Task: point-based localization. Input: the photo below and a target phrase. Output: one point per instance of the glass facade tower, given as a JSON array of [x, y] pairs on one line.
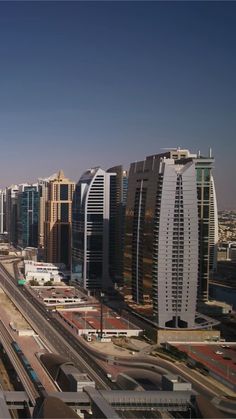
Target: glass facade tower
[[11, 212], [28, 214], [118, 194], [2, 211]]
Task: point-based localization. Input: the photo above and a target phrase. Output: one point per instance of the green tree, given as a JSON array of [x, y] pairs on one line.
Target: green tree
[[34, 283]]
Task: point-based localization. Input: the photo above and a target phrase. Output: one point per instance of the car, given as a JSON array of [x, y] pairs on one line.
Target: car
[[204, 372], [219, 353], [189, 365]]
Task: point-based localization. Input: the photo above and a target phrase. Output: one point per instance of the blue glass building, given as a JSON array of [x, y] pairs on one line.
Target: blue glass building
[[28, 216]]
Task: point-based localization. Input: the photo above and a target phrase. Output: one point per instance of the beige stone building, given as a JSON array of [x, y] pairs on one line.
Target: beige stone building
[[43, 198], [58, 214]]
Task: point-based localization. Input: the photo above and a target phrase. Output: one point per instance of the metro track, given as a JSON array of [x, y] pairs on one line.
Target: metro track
[[63, 343], [6, 340]]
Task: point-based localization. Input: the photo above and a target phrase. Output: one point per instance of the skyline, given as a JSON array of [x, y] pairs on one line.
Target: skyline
[[98, 84]]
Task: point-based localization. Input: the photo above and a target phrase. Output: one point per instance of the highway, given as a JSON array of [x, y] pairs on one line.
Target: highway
[[82, 355], [162, 366], [56, 336]]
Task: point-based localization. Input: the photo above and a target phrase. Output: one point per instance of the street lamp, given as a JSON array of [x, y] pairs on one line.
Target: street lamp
[[101, 314]]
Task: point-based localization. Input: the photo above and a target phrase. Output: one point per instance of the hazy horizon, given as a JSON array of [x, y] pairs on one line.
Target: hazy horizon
[[87, 84]]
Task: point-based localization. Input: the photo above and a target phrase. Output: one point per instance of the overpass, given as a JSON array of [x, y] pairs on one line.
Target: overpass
[[106, 402]]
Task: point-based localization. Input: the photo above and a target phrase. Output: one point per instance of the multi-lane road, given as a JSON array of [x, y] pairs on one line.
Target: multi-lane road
[[56, 336], [61, 340]]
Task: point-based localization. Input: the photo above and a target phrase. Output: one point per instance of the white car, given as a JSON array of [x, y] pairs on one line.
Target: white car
[[219, 353]]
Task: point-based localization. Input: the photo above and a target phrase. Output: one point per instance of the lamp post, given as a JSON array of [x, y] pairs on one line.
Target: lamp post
[[101, 314]]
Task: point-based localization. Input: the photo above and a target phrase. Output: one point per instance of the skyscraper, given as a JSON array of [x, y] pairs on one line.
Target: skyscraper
[[118, 194], [57, 237], [213, 228], [2, 211], [167, 245], [43, 198], [175, 245], [11, 212], [27, 215], [207, 222], [93, 228], [139, 226]]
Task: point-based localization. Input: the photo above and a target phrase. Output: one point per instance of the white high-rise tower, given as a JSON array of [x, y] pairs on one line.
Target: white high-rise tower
[[175, 248], [91, 230]]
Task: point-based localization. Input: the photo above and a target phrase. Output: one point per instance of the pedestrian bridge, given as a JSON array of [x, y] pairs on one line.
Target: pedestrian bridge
[[105, 401]]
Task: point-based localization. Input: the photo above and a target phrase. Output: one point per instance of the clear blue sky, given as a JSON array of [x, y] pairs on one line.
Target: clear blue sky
[[101, 83]]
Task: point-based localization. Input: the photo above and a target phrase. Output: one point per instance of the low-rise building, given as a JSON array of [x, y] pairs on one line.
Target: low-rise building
[[90, 322], [57, 296], [172, 382], [41, 271], [41, 277]]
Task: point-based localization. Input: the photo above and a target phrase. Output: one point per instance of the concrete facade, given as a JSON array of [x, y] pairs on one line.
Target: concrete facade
[[170, 238], [175, 264], [43, 198], [163, 336], [58, 220], [175, 383]]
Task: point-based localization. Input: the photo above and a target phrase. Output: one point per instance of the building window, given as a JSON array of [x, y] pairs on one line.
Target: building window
[[64, 192], [64, 212]]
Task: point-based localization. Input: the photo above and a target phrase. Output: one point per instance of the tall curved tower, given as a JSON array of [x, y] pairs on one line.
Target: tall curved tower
[[213, 228], [170, 235], [90, 230], [175, 247]]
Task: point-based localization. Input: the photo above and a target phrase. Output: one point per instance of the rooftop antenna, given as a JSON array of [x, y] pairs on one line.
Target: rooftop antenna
[[199, 153], [210, 152]]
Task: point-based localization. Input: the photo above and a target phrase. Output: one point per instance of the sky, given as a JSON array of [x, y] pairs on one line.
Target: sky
[[86, 84]]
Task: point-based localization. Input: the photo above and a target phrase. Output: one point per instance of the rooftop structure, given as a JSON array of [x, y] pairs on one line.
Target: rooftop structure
[[88, 322], [173, 382], [61, 296]]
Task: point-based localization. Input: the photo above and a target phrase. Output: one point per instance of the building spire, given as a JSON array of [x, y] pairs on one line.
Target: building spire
[[60, 175]]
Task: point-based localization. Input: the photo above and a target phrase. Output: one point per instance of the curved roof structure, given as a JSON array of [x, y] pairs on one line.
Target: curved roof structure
[[54, 408], [52, 363]]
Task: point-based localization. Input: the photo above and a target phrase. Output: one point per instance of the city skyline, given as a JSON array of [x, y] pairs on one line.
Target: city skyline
[[100, 84], [117, 208]]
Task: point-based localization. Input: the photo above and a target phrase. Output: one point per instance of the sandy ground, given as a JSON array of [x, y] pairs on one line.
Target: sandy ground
[[110, 348], [14, 315]]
